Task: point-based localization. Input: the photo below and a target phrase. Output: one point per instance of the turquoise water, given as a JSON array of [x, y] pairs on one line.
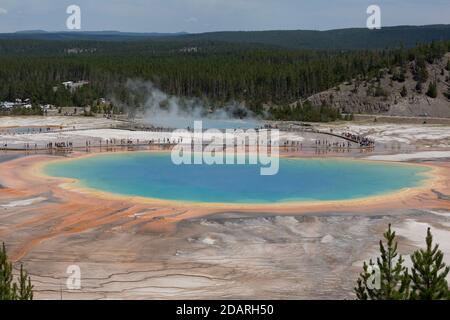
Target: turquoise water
[[154, 175]]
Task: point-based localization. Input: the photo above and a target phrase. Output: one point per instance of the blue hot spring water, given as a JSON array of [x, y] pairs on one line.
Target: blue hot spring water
[[153, 175]]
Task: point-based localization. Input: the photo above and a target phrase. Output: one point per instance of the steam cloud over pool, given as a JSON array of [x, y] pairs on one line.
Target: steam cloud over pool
[[153, 175]]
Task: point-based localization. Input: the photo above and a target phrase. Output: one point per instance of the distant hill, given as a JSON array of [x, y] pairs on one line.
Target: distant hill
[[85, 35], [340, 39], [31, 31]]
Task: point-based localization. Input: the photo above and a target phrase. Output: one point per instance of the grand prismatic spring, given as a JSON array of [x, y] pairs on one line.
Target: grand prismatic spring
[[155, 176]]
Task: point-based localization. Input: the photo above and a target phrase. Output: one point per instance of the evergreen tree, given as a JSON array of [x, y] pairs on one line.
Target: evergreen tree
[[366, 285], [10, 290], [432, 90], [404, 92], [393, 282], [25, 290], [429, 273]]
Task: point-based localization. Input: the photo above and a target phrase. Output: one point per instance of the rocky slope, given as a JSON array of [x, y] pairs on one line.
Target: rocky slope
[[383, 96]]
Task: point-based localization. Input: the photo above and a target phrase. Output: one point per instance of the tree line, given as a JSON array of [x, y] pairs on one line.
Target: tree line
[[256, 76]]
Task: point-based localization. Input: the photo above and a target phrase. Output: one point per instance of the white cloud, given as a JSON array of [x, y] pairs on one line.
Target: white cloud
[[3, 11]]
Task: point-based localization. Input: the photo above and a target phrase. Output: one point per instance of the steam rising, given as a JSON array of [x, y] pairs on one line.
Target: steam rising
[[159, 109]]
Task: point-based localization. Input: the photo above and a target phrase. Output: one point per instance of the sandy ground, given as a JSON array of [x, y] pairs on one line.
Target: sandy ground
[[22, 131], [50, 121], [426, 135], [127, 249], [389, 137], [96, 135], [412, 156]]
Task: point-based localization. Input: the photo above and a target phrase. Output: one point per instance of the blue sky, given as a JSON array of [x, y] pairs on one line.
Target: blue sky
[[214, 15]]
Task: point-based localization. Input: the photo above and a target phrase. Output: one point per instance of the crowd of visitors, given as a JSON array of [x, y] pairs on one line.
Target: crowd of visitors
[[363, 141]]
